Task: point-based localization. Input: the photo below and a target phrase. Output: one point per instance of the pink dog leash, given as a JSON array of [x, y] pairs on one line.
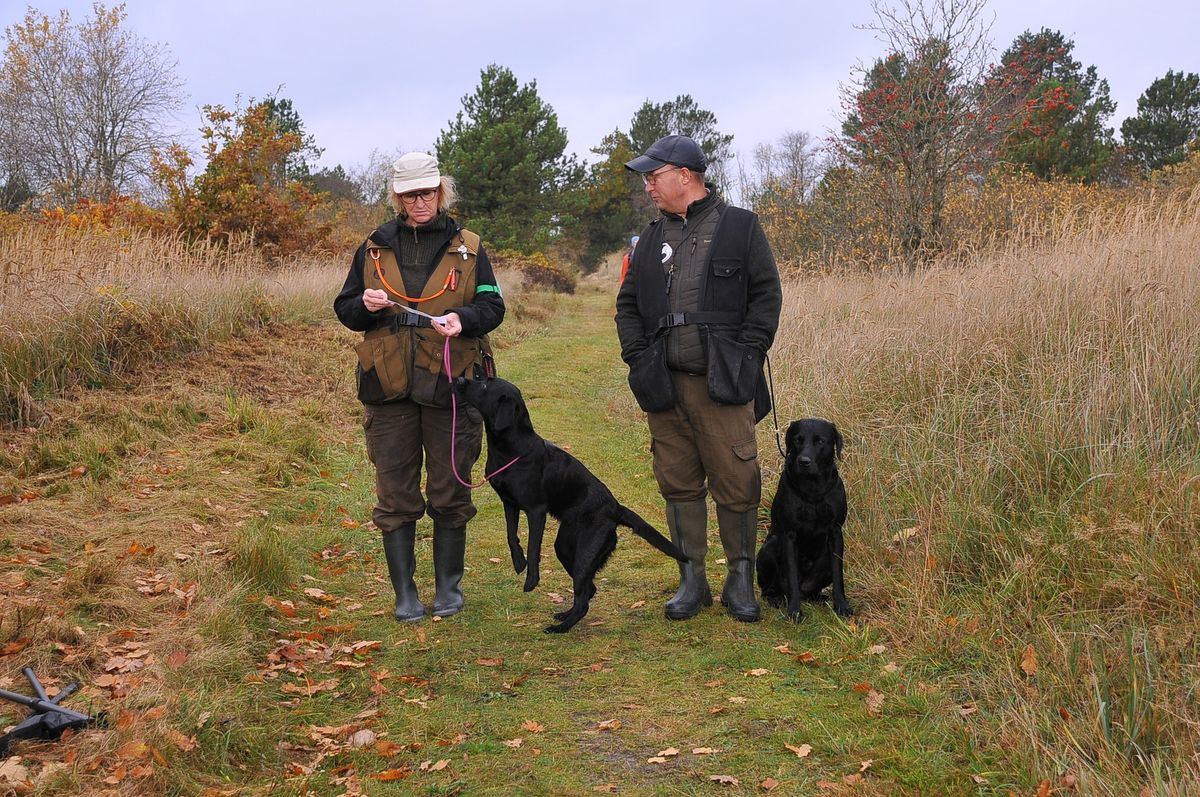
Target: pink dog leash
[[454, 426]]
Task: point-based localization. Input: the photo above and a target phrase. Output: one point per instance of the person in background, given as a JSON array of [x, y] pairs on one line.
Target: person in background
[[625, 260], [417, 281], [695, 317]]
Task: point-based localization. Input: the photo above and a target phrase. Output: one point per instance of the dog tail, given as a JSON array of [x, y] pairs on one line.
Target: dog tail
[[650, 534]]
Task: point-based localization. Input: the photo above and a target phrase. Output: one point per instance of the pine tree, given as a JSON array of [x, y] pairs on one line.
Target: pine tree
[[505, 152], [1167, 121]]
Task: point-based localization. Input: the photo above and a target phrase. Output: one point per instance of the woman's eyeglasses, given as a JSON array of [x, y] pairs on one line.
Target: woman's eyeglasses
[[426, 196]]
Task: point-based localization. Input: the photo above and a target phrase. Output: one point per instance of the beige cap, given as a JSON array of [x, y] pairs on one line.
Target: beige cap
[[415, 171]]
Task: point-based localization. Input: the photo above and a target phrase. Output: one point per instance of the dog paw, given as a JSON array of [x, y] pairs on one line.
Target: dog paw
[[531, 581], [557, 628], [519, 564], [843, 610], [796, 616]]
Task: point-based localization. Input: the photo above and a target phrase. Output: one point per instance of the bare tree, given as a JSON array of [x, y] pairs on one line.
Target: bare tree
[[923, 115], [789, 165], [83, 107]]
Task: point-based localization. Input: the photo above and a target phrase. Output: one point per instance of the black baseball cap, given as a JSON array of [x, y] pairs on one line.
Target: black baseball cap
[[675, 150]]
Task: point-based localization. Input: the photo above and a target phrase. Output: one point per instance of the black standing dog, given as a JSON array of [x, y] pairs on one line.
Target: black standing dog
[[803, 552], [547, 480]]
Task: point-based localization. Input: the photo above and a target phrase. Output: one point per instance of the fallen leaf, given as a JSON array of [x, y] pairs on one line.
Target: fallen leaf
[[803, 751], [1043, 789], [891, 668], [1029, 661], [875, 650], [1062, 712], [177, 659], [605, 788], [532, 726], [12, 773], [863, 687], [737, 699], [874, 703], [309, 689], [16, 646], [728, 780], [514, 743], [555, 598], [182, 742], [669, 752], [430, 766], [393, 774], [967, 709], [806, 657], [489, 662], [979, 779], [852, 780], [133, 750], [637, 604], [609, 725], [656, 759], [863, 766], [704, 751], [783, 648], [757, 672], [770, 784], [387, 749], [362, 738]]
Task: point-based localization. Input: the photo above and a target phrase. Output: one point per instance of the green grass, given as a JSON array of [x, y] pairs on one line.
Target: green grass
[[245, 471]]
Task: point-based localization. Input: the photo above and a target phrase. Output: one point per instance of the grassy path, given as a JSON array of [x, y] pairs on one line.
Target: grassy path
[[273, 664]]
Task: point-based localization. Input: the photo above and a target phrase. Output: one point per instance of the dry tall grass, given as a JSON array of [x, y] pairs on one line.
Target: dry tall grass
[[78, 308], [1024, 462]]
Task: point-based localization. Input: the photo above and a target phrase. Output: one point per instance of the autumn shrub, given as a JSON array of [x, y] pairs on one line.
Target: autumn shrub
[[538, 272], [1023, 458]]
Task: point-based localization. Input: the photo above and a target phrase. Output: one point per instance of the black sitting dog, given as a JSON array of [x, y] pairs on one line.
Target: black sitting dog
[[547, 480], [803, 551]]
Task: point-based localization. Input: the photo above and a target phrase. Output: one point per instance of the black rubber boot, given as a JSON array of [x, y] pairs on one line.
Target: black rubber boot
[[688, 523], [398, 550], [449, 549], [739, 538]]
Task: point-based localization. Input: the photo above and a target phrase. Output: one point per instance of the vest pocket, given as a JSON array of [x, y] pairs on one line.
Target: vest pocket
[[726, 288], [650, 379], [391, 358], [733, 370], [430, 385]]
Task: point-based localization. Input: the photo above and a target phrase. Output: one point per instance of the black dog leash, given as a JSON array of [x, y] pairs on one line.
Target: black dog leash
[[774, 415]]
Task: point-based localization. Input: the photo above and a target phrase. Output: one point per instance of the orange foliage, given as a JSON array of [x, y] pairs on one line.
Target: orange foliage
[[243, 190]]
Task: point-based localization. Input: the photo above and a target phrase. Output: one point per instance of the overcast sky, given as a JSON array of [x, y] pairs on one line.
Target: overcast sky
[[367, 75]]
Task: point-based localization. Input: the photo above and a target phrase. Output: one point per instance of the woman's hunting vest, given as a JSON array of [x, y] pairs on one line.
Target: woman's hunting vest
[[403, 357]]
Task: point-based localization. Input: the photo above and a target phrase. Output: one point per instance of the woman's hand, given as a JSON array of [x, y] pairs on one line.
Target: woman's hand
[[449, 325], [375, 299]]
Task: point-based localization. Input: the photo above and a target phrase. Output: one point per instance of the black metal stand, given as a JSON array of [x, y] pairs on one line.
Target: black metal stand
[[48, 720]]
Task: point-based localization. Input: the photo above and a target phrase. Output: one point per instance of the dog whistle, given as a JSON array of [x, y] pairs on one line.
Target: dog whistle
[[462, 250]]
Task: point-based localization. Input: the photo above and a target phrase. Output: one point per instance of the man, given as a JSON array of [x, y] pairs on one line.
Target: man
[[696, 315]]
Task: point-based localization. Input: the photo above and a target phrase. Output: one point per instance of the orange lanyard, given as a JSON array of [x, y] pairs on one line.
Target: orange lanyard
[[450, 285]]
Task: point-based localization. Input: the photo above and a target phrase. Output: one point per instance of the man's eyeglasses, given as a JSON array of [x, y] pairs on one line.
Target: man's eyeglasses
[[652, 177], [426, 196]]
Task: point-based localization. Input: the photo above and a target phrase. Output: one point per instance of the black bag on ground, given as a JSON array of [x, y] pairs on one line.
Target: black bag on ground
[[650, 379]]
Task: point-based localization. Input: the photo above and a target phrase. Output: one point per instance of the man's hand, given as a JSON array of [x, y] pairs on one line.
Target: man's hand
[[375, 299]]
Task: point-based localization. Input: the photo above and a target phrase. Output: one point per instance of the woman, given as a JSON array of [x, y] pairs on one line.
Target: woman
[[417, 281]]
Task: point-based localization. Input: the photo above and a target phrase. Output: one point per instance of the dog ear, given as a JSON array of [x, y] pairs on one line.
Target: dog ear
[[837, 442], [505, 415]]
